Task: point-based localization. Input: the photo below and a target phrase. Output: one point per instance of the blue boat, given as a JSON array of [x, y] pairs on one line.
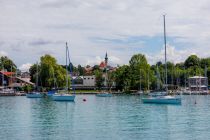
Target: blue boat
[[105, 94], [162, 100], [34, 95], [65, 96], [163, 97], [51, 93]]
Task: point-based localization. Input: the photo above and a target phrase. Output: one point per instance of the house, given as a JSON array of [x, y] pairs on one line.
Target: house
[[84, 82], [198, 83], [6, 78], [11, 80]]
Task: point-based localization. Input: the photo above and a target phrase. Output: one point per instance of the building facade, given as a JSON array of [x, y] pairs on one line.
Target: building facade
[[198, 83], [84, 82]]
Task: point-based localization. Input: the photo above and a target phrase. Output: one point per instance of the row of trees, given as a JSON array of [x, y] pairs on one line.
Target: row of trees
[[139, 72]]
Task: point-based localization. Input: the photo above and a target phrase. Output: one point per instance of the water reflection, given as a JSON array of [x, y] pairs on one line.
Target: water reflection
[[118, 117]]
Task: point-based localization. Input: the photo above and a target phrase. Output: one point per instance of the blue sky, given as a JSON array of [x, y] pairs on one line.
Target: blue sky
[[30, 29]]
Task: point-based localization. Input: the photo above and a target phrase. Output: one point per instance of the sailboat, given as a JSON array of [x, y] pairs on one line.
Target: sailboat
[[105, 93], [163, 99], [35, 94], [65, 96]]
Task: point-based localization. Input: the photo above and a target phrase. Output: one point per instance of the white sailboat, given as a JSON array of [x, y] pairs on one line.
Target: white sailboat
[[65, 96], [165, 99], [105, 93], [35, 94]]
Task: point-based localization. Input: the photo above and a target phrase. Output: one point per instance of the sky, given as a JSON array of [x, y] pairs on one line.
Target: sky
[[30, 29]]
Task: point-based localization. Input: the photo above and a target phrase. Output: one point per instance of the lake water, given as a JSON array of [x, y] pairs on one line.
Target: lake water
[[117, 117]]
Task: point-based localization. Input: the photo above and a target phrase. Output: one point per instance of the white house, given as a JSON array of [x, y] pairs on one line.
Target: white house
[[84, 81], [198, 83]]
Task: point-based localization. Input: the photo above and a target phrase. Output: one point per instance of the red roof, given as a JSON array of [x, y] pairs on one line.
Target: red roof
[[7, 73], [102, 65]]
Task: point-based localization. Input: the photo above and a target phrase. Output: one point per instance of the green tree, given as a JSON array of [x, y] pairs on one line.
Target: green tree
[[48, 72], [192, 61], [99, 78], [140, 68], [122, 78], [8, 64], [80, 70]]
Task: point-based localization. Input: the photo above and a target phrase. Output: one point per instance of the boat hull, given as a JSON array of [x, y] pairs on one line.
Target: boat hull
[[63, 97], [34, 95], [162, 100], [51, 93], [104, 95]]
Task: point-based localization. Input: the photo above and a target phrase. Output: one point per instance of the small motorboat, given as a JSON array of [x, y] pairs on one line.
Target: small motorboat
[[63, 97], [104, 94], [34, 95], [162, 100]]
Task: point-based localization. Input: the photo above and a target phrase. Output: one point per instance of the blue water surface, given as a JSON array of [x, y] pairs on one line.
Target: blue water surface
[[118, 118]]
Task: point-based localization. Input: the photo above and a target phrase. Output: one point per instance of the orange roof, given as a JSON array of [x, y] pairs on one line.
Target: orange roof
[[102, 65], [7, 73]]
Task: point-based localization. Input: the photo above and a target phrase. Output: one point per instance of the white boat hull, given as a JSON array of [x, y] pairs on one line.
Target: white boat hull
[[104, 95], [63, 97], [162, 100], [34, 95]]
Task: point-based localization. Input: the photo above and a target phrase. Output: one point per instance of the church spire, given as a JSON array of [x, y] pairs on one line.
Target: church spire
[[106, 59]]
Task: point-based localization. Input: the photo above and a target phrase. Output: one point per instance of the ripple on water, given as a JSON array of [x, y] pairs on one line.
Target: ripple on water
[[117, 117]]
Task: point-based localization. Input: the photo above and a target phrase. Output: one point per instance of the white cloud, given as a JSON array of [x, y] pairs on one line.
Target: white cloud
[[173, 55], [30, 29], [3, 53], [25, 67]]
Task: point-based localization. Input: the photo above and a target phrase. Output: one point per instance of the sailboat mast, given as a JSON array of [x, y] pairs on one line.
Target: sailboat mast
[[2, 61], [166, 83], [36, 75], [66, 68]]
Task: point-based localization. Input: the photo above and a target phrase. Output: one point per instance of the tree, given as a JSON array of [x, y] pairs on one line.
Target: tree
[[48, 72], [205, 62], [122, 78], [80, 70], [138, 65], [8, 64], [192, 61], [33, 71], [99, 78]]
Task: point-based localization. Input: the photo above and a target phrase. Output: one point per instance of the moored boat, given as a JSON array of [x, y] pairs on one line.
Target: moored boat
[[163, 100], [105, 94], [65, 96], [34, 95]]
